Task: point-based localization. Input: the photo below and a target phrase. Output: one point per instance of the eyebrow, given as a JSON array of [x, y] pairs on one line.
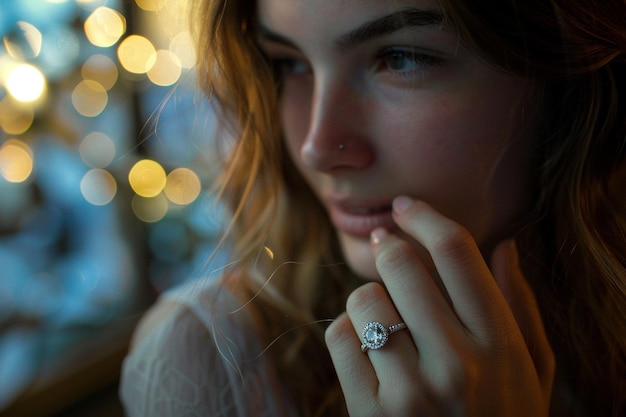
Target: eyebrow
[[408, 17]]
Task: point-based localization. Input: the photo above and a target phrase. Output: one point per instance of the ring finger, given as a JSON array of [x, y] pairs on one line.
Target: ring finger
[[398, 358]]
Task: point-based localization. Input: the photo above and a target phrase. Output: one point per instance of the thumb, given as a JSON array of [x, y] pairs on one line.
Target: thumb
[[521, 299]]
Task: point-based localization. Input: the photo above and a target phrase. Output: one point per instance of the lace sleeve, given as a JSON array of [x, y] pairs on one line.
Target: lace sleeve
[[185, 363]]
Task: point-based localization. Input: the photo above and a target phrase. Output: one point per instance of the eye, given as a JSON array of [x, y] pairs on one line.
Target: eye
[[405, 60], [285, 67]]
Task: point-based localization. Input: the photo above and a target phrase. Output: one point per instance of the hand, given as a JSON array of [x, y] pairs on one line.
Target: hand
[[475, 347]]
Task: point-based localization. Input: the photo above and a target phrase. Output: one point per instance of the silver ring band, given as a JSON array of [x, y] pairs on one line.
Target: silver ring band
[[375, 335]]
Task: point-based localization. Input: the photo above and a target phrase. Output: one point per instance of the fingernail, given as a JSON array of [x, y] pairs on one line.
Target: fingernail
[[378, 234], [400, 204]]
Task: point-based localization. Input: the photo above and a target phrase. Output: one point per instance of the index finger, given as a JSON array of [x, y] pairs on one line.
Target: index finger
[[475, 296]]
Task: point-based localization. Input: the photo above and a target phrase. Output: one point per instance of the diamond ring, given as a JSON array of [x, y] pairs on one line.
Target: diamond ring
[[375, 335]]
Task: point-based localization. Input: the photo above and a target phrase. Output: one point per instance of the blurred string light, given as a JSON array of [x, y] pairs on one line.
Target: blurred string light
[[97, 150], [89, 98], [42, 47], [150, 210], [182, 47], [102, 69], [98, 187], [26, 44], [14, 119], [151, 5], [147, 178], [25, 83], [104, 27], [166, 70], [16, 161], [182, 186], [136, 54], [154, 189]]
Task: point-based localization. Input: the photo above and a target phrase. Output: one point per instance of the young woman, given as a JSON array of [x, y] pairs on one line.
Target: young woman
[[441, 188]]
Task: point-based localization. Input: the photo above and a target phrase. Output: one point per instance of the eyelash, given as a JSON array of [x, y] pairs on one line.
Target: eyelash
[[420, 60], [286, 66]]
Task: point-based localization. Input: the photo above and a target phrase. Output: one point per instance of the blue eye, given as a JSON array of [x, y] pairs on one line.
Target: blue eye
[[405, 60]]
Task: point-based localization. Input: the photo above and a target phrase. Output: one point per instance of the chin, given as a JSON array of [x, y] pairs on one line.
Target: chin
[[359, 257]]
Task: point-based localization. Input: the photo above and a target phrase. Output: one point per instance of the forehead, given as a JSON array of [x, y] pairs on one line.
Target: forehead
[[329, 16]]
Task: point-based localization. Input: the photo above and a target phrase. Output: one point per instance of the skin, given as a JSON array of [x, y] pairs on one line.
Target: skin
[[410, 112]]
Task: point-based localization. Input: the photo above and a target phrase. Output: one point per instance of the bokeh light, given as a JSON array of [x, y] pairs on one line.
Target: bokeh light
[[15, 120], [136, 54], [183, 186], [150, 210], [16, 161], [25, 83], [97, 150], [102, 69], [182, 46], [151, 5], [104, 26], [98, 187], [147, 178], [89, 98], [26, 44], [166, 69], [82, 98]]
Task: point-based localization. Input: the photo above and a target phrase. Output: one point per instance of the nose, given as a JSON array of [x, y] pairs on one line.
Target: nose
[[337, 138]]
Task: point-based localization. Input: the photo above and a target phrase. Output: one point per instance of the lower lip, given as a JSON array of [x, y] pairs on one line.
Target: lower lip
[[360, 225]]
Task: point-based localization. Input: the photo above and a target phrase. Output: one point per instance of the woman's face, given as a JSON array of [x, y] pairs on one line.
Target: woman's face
[[380, 98]]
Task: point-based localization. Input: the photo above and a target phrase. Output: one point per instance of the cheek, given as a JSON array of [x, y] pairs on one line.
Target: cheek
[[441, 144], [467, 158], [463, 133]]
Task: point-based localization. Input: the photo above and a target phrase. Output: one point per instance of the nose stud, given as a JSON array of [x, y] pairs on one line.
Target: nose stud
[[341, 146]]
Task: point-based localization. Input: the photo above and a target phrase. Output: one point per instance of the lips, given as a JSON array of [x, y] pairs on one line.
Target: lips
[[359, 217]]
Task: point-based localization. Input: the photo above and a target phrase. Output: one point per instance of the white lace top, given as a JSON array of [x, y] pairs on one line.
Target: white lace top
[[196, 354]]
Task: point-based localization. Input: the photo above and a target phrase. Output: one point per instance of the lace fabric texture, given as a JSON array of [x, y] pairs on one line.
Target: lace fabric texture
[[196, 354]]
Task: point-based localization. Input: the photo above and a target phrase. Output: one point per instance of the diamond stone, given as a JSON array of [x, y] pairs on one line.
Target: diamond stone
[[374, 335]]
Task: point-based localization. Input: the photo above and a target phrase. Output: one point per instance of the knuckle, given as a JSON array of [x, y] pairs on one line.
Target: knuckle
[[406, 394], [408, 399], [459, 374], [506, 337], [365, 296], [461, 380], [395, 257], [453, 241]]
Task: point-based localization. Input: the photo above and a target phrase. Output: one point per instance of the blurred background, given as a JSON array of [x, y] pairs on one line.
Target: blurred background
[[106, 156]]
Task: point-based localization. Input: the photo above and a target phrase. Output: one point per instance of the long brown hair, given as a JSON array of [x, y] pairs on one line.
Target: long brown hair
[[578, 50], [575, 239], [274, 209]]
